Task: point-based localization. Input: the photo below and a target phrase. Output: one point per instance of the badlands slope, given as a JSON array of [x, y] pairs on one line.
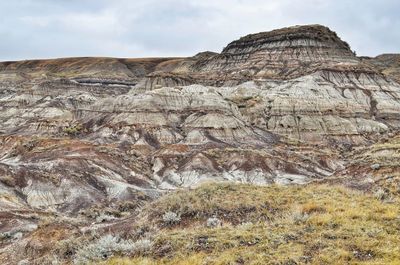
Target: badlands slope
[[89, 142]]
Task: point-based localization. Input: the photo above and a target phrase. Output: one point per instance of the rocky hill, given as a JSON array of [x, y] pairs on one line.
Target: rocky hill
[[389, 64], [91, 140]]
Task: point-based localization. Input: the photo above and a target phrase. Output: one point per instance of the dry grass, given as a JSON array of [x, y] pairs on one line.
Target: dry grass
[[338, 226]]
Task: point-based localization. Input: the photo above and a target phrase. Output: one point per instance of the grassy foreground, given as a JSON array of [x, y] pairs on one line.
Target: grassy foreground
[[313, 224]]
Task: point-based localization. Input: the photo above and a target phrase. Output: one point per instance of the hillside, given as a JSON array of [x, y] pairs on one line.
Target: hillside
[[97, 146], [233, 224]]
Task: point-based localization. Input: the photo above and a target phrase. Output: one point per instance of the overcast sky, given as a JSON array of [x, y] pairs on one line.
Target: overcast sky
[[147, 28]]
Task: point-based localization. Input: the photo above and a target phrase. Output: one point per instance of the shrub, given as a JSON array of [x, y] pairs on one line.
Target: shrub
[[5, 236], [106, 246], [50, 260], [23, 262], [382, 194], [298, 216], [103, 248], [66, 249], [171, 218], [213, 222], [142, 246], [73, 130], [245, 225], [105, 218]]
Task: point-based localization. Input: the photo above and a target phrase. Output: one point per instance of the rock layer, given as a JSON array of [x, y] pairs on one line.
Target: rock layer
[[280, 54]]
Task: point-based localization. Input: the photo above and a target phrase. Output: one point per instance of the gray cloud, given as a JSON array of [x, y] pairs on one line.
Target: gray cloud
[[124, 28]]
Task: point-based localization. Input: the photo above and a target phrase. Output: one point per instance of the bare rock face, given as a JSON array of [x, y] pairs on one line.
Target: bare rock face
[[280, 54], [358, 105], [84, 136], [373, 168], [389, 64], [302, 81]]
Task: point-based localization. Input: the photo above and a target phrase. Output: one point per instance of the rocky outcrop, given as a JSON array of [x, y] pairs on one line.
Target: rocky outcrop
[[373, 168], [302, 81], [357, 105], [388, 64], [280, 54]]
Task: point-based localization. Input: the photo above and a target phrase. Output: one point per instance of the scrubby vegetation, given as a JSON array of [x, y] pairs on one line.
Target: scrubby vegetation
[[375, 168], [314, 224], [171, 218], [73, 129], [110, 245]]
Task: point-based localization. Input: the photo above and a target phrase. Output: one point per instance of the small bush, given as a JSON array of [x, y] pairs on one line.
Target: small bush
[[171, 218], [142, 246], [66, 249], [213, 222], [103, 248], [105, 218], [50, 260], [245, 225], [73, 130], [382, 195], [24, 262], [298, 216], [106, 246], [5, 236]]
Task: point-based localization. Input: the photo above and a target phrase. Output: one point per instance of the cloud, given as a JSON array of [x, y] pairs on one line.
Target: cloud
[[124, 28]]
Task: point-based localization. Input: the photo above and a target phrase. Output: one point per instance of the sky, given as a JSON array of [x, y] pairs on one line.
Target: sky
[[34, 29]]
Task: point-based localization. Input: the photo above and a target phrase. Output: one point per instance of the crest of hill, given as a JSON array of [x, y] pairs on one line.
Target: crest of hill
[[313, 32]]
